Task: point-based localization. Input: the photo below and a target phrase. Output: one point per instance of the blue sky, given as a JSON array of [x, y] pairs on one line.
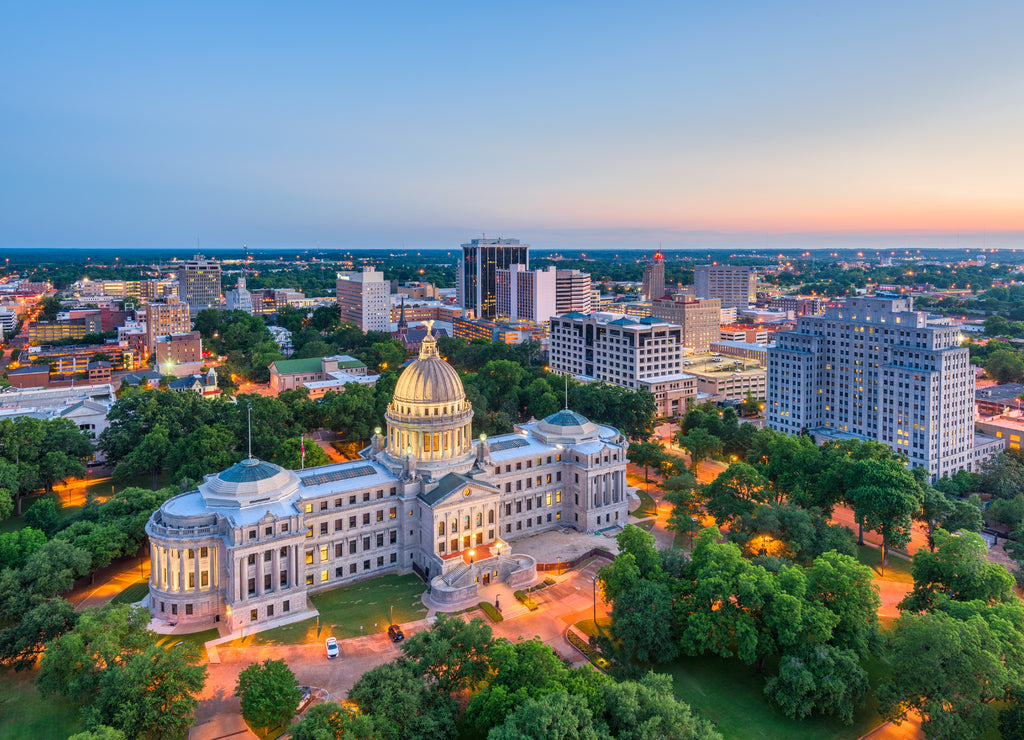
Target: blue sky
[[564, 124]]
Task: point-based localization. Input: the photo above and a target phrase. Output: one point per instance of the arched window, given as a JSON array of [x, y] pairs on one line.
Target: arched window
[[465, 522], [440, 529], [490, 516], [455, 525], [479, 520]]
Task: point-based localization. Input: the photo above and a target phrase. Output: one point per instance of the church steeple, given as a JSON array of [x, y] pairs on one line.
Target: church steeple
[[403, 326]]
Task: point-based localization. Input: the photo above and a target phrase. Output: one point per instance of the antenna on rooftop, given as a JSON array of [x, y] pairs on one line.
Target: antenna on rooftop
[[250, 432], [566, 377]]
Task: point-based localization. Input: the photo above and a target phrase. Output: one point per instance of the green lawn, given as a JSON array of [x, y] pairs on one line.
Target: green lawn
[[133, 593], [647, 506], [731, 695], [199, 639], [25, 715], [351, 611], [899, 568]]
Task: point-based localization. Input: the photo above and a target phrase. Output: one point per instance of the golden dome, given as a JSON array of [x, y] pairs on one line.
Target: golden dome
[[429, 379]]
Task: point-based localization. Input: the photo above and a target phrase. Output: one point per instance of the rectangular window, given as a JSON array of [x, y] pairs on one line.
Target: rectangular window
[[393, 492], [188, 609], [394, 557], [204, 552], [174, 608], [251, 559], [284, 578], [393, 537], [323, 553], [323, 527], [323, 506], [254, 615], [380, 561], [366, 496], [267, 585], [309, 508], [366, 518], [204, 579], [558, 497], [309, 557], [547, 499], [337, 525], [352, 568], [366, 565], [380, 515], [393, 513], [352, 547], [366, 543], [309, 531], [380, 539], [286, 607], [337, 503], [192, 580], [284, 527], [323, 576], [351, 500], [267, 555], [338, 551], [351, 522], [309, 579], [270, 610], [252, 534], [339, 572], [251, 586]]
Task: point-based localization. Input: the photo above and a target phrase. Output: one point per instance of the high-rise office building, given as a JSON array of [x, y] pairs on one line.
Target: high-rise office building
[[199, 284], [164, 318], [477, 277], [573, 292], [876, 369], [365, 299], [734, 285], [525, 294], [700, 319], [654, 277]]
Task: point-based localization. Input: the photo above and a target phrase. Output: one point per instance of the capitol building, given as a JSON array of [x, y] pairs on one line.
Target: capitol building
[[250, 544]]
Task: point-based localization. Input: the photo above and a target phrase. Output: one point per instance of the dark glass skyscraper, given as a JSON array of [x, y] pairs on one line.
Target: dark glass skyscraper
[[477, 279]]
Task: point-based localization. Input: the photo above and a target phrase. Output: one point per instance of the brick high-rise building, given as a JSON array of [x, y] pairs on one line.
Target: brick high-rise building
[[654, 277], [164, 318], [734, 285], [700, 319], [365, 299], [525, 294]]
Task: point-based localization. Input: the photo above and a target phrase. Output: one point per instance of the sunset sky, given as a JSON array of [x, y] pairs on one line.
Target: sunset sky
[[590, 124]]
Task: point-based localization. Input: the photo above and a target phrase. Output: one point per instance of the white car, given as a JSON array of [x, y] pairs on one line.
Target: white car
[[332, 647]]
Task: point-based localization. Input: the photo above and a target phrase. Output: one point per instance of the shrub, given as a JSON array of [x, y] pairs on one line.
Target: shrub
[[491, 611], [549, 581], [526, 600], [588, 650]]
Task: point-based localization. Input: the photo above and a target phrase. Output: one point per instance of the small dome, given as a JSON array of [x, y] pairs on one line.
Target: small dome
[[429, 379], [249, 470], [566, 427], [248, 482]]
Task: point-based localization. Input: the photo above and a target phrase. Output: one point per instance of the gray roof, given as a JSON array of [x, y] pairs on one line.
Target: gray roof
[[566, 418], [1004, 392], [450, 484]]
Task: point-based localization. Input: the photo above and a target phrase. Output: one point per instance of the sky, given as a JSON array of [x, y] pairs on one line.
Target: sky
[[577, 125]]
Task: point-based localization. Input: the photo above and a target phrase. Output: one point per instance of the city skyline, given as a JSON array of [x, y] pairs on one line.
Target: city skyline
[[575, 126]]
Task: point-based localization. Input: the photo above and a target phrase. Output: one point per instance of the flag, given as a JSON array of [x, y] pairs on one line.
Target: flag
[[302, 447]]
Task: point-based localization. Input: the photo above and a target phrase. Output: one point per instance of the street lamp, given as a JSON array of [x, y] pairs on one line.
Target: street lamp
[[595, 602], [472, 554], [498, 548]]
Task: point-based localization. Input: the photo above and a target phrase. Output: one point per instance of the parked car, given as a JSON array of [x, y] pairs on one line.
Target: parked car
[[332, 647], [395, 633]]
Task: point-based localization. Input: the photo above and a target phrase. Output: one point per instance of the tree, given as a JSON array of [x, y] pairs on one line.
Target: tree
[[555, 716], [1003, 475], [43, 516], [948, 670], [331, 721], [846, 588], [289, 454], [642, 624], [1005, 365], [736, 491], [960, 570], [819, 678], [646, 455], [885, 498], [269, 693], [648, 709], [699, 444], [99, 732], [22, 642], [402, 704], [641, 545], [453, 654]]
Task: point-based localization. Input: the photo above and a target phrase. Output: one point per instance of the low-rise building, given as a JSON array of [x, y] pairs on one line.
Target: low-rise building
[[742, 350], [204, 384], [673, 394], [178, 354], [287, 375], [993, 400], [732, 385]]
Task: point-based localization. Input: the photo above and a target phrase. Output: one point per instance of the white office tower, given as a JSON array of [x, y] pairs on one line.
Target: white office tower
[[573, 292], [239, 299], [365, 300], [734, 285], [526, 294], [876, 369]]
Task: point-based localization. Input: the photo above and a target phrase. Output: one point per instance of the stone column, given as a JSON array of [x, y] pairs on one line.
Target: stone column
[[214, 567], [275, 578], [199, 583], [259, 573], [296, 573], [182, 582], [168, 573], [243, 582]]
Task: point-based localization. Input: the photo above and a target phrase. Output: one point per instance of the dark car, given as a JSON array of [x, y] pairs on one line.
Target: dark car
[[395, 633]]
